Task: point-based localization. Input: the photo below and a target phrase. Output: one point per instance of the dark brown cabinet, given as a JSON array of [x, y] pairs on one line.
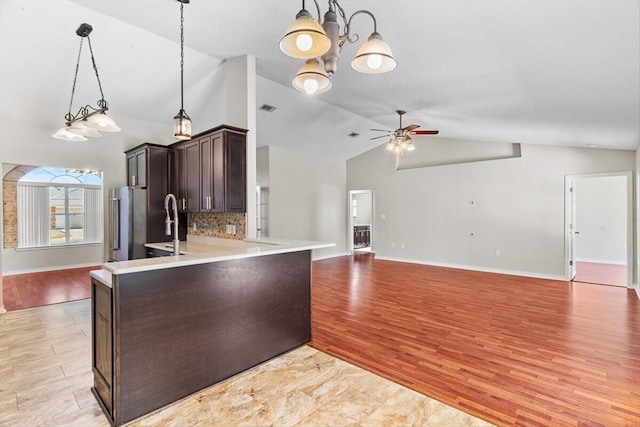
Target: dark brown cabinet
[[148, 168], [102, 343], [210, 171]]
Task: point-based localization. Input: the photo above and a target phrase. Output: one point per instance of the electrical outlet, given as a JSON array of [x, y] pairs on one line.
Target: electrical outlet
[[402, 245], [497, 252], [194, 227], [231, 229], [393, 245]]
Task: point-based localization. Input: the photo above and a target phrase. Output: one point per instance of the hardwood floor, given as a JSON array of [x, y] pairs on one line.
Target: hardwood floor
[[510, 350], [602, 274], [49, 287]]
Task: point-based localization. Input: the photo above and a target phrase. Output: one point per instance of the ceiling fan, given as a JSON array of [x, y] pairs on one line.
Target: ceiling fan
[[400, 139]]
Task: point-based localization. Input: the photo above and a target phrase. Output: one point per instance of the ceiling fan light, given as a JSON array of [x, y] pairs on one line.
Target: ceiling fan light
[[80, 128], [410, 146], [65, 135], [182, 126], [312, 78], [101, 122], [305, 38], [374, 57]]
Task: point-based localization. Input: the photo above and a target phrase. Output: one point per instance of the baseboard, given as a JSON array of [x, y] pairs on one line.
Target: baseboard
[[52, 268], [320, 258], [477, 268], [601, 261], [637, 289]]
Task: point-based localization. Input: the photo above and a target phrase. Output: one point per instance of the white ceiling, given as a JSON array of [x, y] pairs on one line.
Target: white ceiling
[[561, 72]]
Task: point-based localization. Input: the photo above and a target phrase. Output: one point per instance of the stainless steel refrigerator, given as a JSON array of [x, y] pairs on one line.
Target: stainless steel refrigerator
[[127, 223]]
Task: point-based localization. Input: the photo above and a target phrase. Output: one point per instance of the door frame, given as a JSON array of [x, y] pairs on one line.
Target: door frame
[[570, 217], [350, 219]]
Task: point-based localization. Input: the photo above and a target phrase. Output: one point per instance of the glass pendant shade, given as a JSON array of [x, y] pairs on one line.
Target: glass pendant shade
[[100, 121], [80, 128], [312, 78], [182, 126], [374, 57], [65, 135], [305, 38]]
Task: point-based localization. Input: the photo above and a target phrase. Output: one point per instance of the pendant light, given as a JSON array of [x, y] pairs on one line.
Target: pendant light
[[89, 121], [182, 122]]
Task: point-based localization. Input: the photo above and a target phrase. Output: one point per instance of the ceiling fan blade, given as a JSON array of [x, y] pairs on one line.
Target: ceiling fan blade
[[381, 130], [424, 132], [410, 128], [378, 137]]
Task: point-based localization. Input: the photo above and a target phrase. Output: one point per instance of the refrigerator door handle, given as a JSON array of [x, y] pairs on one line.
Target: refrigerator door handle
[[114, 227]]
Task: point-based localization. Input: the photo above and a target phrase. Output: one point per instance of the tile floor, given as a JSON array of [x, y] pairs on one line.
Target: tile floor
[[45, 376]]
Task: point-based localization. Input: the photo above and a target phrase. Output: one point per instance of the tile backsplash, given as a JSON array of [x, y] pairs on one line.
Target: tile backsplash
[[215, 225]]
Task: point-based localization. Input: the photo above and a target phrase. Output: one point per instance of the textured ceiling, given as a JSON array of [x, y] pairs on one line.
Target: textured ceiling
[[535, 72]]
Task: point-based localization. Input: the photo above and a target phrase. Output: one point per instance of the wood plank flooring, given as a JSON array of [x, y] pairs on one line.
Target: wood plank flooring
[[602, 274], [49, 287], [510, 350]]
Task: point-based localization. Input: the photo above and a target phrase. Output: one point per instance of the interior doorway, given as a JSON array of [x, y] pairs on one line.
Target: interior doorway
[[599, 228], [361, 216]]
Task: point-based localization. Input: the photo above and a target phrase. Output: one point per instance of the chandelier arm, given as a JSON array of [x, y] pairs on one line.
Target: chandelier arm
[[95, 68], [68, 117], [347, 29]]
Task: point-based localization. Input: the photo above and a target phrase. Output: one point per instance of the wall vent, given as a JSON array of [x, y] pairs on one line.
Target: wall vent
[[268, 108]]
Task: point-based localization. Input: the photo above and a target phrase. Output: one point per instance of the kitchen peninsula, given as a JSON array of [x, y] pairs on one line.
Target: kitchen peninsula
[[164, 328]]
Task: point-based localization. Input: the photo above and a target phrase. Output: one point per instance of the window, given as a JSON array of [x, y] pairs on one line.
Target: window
[[58, 206]]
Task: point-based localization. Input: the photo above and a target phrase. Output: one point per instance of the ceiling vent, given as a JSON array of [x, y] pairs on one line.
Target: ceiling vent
[[268, 108]]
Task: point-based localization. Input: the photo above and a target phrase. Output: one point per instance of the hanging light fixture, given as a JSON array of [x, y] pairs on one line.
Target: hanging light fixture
[[307, 39], [182, 122], [89, 120]]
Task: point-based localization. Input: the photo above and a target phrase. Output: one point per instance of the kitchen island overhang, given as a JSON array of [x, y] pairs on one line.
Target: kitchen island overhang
[[195, 321]]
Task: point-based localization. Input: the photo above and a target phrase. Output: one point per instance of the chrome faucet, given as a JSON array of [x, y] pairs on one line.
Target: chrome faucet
[[168, 221]]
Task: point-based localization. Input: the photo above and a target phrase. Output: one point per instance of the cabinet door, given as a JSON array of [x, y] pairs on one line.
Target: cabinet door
[[235, 173], [132, 170], [206, 169], [141, 167], [180, 168], [192, 176], [217, 173]]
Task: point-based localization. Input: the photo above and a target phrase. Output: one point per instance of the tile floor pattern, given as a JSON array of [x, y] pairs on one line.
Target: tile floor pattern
[[45, 376]]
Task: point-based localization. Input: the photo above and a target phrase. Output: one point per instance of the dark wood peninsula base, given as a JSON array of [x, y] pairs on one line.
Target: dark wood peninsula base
[[164, 334]]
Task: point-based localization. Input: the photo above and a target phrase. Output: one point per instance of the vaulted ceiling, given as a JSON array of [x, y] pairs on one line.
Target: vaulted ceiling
[[559, 72]]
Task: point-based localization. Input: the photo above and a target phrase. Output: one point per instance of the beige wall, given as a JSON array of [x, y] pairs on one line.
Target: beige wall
[[461, 214]]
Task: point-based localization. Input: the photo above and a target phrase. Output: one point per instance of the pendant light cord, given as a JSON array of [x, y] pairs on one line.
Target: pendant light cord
[[181, 57]]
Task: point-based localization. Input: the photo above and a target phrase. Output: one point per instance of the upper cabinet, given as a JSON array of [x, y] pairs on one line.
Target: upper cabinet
[[210, 171]]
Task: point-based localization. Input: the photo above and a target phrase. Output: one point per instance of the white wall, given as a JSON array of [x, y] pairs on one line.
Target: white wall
[[308, 199], [601, 219], [460, 215]]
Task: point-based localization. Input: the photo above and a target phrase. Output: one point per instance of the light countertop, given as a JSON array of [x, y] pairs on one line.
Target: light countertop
[[202, 250]]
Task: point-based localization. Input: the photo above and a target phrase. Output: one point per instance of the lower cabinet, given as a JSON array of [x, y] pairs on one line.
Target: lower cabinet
[[101, 324]]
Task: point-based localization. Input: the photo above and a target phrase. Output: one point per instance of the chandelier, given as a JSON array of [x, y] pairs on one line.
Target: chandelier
[[307, 39], [89, 121]]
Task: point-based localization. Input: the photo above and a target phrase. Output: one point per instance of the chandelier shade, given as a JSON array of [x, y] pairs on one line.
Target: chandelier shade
[[374, 57], [305, 38], [80, 128], [65, 134], [101, 122], [312, 78]]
